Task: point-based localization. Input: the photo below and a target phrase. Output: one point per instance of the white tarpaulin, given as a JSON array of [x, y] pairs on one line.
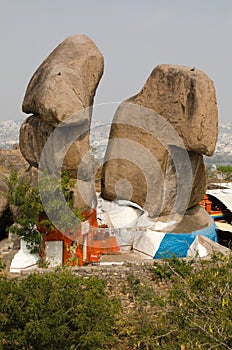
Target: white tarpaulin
[[133, 229]]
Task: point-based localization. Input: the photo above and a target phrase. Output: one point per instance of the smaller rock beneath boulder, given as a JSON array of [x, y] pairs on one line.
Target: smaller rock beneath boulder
[[34, 133], [194, 219], [67, 146], [147, 163]]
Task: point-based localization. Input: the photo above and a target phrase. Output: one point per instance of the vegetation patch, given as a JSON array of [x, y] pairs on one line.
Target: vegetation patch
[[56, 311], [188, 307], [174, 304]]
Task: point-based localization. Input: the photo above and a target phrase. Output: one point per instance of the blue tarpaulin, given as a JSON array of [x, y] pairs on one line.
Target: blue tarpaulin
[[178, 244]]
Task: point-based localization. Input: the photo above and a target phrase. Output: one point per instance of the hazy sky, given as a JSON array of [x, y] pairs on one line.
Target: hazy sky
[[134, 36]]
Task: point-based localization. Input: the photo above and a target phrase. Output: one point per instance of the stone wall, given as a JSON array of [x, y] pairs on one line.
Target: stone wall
[[116, 277]]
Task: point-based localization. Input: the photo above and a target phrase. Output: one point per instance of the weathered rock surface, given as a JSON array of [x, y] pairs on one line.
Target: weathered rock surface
[[12, 160], [85, 195], [194, 219], [66, 81], [176, 189], [154, 155], [186, 98], [154, 184], [34, 133], [60, 91], [60, 96], [146, 162], [134, 164], [199, 186]]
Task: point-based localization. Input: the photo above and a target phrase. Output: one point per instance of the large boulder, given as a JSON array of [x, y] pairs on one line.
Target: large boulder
[[135, 161], [60, 96], [141, 168], [66, 81], [157, 138], [186, 98]]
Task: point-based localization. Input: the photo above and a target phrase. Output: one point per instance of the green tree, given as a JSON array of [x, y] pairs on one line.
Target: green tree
[[31, 221], [28, 207], [225, 171]]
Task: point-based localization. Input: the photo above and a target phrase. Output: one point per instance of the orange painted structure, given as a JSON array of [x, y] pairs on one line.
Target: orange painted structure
[[216, 211], [84, 246], [100, 242], [206, 203]]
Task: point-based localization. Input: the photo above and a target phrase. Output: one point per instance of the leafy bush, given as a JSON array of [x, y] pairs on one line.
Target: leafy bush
[[56, 311], [2, 265], [201, 306], [30, 208], [181, 305], [190, 307]]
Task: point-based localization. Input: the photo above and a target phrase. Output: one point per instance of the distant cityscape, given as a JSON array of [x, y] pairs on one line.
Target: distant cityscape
[[223, 152], [9, 137], [9, 133]]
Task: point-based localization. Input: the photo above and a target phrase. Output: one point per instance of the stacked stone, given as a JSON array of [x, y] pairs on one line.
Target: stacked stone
[[60, 96], [157, 141]]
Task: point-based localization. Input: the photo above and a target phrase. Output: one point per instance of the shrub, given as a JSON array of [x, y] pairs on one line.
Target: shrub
[[2, 265], [191, 308], [56, 311], [181, 305]]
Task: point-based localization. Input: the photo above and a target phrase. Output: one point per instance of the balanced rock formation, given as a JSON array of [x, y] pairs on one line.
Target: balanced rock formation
[[66, 81], [158, 137], [60, 97], [186, 98]]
